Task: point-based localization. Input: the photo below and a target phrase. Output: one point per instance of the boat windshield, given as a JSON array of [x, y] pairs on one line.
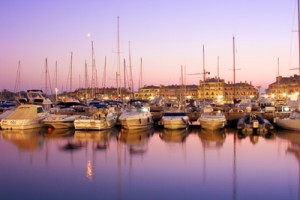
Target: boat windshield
[[128, 110], [169, 114]]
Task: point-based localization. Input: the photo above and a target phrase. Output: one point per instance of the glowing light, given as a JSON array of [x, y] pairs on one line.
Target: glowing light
[[88, 35]]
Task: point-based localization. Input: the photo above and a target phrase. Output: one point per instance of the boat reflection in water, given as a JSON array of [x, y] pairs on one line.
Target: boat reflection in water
[[174, 135], [58, 133], [212, 138], [254, 137], [132, 164], [99, 139], [136, 140], [294, 141], [25, 140]]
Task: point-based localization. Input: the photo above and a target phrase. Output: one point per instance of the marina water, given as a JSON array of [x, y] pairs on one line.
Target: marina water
[[153, 164]]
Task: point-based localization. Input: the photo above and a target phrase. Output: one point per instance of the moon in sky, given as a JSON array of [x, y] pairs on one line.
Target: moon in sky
[[88, 35]]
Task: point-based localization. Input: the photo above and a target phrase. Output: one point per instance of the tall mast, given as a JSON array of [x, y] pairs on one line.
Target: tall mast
[[86, 78], [203, 63], [218, 77], [125, 79], [55, 75], [17, 83], [93, 70], [182, 85], [71, 71], [104, 74], [118, 60], [277, 77], [46, 77], [203, 88], [56, 90], [233, 67], [130, 68], [141, 74], [299, 40]]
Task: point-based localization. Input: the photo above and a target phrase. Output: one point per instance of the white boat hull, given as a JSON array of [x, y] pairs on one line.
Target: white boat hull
[[60, 122], [21, 124], [212, 124], [25, 117], [175, 122], [134, 123], [94, 124], [288, 123]]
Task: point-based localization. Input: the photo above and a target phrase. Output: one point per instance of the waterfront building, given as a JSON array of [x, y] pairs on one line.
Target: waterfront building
[[211, 88], [148, 92], [216, 88], [283, 87], [101, 93], [240, 90], [167, 92]]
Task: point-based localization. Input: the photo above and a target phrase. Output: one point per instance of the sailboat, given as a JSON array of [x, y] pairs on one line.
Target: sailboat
[[210, 119], [293, 121]]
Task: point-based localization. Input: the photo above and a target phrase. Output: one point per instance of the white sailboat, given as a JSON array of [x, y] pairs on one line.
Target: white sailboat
[[293, 121]]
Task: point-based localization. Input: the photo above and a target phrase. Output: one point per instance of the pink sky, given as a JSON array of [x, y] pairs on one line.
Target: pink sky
[[165, 34]]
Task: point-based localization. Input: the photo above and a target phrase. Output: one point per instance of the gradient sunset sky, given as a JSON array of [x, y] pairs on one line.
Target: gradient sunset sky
[[164, 33]]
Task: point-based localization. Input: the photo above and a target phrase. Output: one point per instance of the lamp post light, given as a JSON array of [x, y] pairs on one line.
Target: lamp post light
[[56, 91]]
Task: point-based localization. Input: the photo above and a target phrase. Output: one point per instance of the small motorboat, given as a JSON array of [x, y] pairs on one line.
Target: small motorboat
[[254, 124], [25, 117]]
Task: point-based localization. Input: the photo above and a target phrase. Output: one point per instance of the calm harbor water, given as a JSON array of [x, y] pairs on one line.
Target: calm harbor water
[[154, 164]]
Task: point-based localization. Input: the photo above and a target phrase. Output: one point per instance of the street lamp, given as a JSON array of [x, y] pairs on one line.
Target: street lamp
[[56, 91]]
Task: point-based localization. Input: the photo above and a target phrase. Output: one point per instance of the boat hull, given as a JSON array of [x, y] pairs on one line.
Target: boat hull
[[141, 123], [60, 122], [212, 124], [288, 123], [93, 124], [175, 122], [21, 124]]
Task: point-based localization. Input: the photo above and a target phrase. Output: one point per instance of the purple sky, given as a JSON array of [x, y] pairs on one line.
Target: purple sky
[[164, 33]]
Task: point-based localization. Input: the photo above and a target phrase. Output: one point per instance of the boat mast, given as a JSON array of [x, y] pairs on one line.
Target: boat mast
[[17, 83], [118, 61], [203, 64], [130, 68], [233, 41], [86, 78], [218, 77], [93, 70], [104, 76], [56, 90], [277, 78], [141, 74], [299, 40], [125, 73], [46, 77], [71, 71]]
